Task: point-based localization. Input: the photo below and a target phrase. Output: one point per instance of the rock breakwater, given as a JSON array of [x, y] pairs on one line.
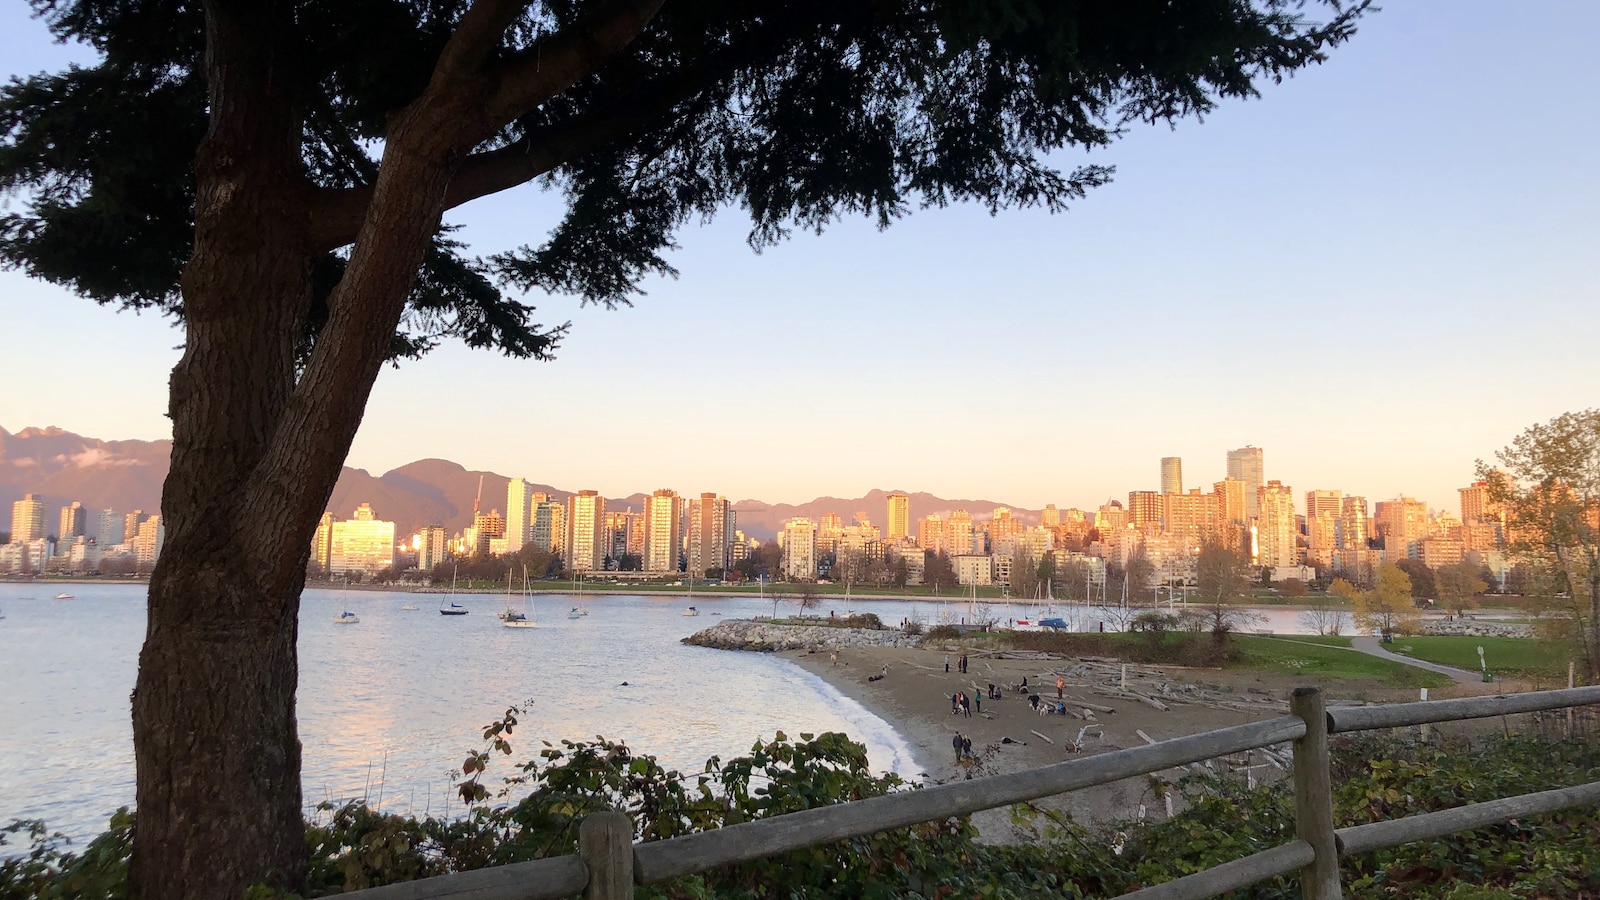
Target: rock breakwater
[[1478, 628], [745, 634]]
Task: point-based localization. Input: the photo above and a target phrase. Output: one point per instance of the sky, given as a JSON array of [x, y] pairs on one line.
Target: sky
[[1379, 271]]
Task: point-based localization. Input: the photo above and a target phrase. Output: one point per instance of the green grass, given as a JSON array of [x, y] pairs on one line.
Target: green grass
[[1323, 639], [1296, 657], [1512, 657]]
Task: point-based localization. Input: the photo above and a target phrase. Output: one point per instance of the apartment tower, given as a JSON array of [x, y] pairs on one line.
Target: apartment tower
[[518, 507], [663, 514], [27, 519], [899, 516], [1246, 465], [1171, 475], [586, 513]]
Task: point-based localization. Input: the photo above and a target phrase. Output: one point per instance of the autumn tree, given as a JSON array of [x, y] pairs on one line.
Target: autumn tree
[[1459, 585], [276, 175], [1423, 585], [1548, 484], [1387, 607]]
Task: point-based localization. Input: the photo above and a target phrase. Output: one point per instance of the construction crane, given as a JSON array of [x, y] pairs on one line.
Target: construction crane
[[476, 500]]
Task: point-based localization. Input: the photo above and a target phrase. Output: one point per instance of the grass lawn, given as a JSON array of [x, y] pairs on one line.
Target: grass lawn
[[1293, 656], [1512, 657], [1323, 639]]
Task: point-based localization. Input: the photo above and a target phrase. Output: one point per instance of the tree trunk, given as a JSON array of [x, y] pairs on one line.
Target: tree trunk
[[215, 744]]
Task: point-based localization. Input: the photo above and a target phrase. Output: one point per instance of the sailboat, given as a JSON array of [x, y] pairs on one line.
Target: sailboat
[[521, 619], [509, 612], [690, 610], [346, 618], [454, 609]]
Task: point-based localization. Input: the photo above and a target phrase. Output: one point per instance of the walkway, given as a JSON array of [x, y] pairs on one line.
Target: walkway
[[1370, 645]]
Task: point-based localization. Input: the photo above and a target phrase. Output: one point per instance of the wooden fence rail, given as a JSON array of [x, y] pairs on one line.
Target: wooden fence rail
[[609, 864]]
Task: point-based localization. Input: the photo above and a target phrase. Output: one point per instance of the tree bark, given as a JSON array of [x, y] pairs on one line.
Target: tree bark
[[215, 742]]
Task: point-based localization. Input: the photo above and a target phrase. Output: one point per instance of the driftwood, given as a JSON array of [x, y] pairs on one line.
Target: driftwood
[[1046, 739]]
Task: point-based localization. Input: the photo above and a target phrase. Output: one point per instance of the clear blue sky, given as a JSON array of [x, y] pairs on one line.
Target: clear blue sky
[[1379, 271]]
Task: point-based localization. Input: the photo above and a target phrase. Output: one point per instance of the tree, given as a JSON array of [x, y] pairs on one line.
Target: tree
[[1423, 587], [1025, 579], [1548, 484], [1388, 607], [1222, 581], [218, 162], [1138, 573], [938, 572], [1458, 585], [1292, 588]]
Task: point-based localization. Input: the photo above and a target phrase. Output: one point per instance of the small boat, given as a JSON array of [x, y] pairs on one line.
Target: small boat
[[410, 607], [515, 619], [454, 609], [346, 618], [575, 613], [690, 611], [65, 596]]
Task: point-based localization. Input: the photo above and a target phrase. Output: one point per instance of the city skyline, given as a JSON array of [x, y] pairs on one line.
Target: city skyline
[[1155, 319]]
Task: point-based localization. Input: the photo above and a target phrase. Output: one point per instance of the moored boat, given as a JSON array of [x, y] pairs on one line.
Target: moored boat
[[690, 611], [346, 618]]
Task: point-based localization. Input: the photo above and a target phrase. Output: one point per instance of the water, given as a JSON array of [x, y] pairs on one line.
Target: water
[[389, 708]]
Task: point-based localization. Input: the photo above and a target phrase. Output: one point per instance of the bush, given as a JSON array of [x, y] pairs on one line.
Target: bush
[[913, 627], [863, 620], [944, 632]]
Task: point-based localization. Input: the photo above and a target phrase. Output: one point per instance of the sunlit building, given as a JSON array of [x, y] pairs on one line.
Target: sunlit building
[[586, 511], [1248, 465], [74, 523], [899, 515], [363, 543], [663, 517], [431, 547], [549, 524], [1171, 475], [27, 519], [1275, 527], [958, 533], [711, 521], [519, 506], [1144, 511], [930, 534], [800, 549], [109, 532]]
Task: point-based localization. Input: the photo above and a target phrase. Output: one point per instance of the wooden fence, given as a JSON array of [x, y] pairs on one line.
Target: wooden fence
[[608, 864]]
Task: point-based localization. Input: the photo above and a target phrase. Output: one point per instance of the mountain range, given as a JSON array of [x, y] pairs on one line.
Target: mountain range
[[62, 467]]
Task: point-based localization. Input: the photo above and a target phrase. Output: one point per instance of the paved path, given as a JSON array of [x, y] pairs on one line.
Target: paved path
[[1370, 645]]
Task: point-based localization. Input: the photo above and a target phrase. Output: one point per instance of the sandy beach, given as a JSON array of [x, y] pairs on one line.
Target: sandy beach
[[915, 699]]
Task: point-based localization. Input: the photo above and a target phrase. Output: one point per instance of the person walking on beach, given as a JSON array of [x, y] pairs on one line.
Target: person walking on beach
[[947, 664], [956, 743], [955, 704], [1061, 685], [977, 703], [966, 746]]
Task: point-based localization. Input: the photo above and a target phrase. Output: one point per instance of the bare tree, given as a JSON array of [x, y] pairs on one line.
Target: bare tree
[[1222, 579], [1458, 585]]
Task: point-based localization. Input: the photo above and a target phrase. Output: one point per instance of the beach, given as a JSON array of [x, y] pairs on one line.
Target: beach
[[914, 698]]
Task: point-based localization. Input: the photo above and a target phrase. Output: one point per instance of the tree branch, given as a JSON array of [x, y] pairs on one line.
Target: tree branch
[[339, 213], [555, 63]]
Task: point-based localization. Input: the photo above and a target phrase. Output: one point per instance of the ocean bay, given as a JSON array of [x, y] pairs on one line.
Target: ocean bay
[[389, 707]]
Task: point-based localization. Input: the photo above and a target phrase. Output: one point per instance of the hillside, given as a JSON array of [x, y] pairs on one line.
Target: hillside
[[126, 475]]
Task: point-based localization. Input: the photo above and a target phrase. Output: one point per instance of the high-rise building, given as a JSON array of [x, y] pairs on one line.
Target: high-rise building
[[131, 523], [800, 549], [363, 543], [958, 533], [321, 544], [1354, 523], [663, 517], [1189, 517], [617, 526], [1402, 523], [489, 528], [1324, 525], [710, 534], [74, 523], [1275, 527], [586, 511], [27, 519], [1144, 511], [109, 532], [431, 547], [518, 508], [147, 546], [930, 534], [1109, 518], [1051, 517], [828, 532], [1171, 475], [899, 515], [1478, 506], [1247, 465], [549, 530]]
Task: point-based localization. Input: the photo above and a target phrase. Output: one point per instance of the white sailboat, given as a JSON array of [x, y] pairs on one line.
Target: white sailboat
[[509, 612], [346, 618], [525, 618]]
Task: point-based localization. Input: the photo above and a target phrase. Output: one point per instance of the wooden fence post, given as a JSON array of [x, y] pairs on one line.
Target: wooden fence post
[[605, 843], [1313, 797]]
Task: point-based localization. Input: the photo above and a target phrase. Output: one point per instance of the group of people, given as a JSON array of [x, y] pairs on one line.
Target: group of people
[[961, 704], [961, 663], [962, 745]]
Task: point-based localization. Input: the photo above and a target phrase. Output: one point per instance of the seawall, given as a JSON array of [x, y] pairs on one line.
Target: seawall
[[744, 634]]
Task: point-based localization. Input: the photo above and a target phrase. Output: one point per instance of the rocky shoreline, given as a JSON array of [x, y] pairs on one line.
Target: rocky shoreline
[[768, 637], [1477, 628]]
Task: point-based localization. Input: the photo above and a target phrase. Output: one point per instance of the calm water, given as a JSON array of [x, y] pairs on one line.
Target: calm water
[[388, 708]]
